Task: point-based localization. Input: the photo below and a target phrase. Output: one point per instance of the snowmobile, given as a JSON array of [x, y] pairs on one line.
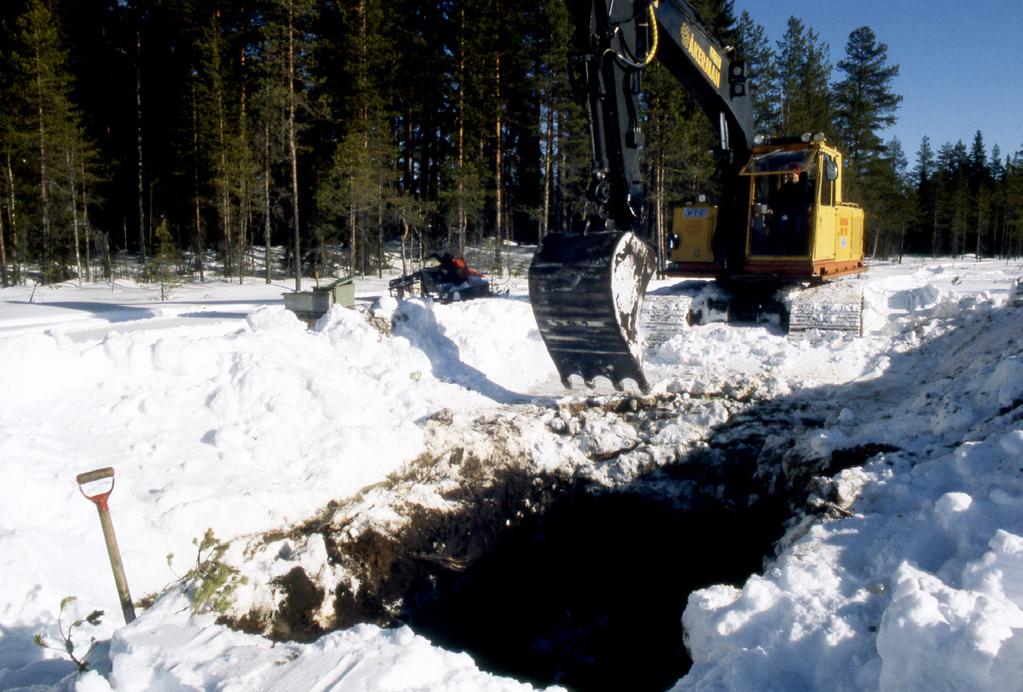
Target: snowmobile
[[587, 286], [449, 281]]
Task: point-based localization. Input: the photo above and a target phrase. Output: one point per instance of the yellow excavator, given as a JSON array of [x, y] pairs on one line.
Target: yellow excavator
[[779, 220]]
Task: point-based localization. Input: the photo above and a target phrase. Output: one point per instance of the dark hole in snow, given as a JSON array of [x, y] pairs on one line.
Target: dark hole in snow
[[590, 593], [557, 580], [302, 598]]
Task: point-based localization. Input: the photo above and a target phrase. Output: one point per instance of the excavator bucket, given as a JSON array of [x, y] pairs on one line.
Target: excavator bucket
[[586, 292]]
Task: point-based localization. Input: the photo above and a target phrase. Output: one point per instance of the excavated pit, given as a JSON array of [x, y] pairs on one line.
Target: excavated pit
[[589, 594], [553, 578]]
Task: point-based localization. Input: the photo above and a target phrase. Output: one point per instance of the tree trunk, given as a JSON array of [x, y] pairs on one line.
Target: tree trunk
[[353, 223], [462, 217], [980, 224], [243, 226], [149, 221], [200, 240], [138, 138], [404, 239], [223, 182], [44, 182], [243, 140], [292, 144], [108, 264], [381, 254], [86, 228], [548, 166], [3, 254], [266, 201], [74, 214], [12, 217], [561, 202], [659, 213], [902, 240], [498, 163]]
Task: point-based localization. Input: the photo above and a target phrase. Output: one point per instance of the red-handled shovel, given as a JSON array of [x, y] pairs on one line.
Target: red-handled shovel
[[100, 500]]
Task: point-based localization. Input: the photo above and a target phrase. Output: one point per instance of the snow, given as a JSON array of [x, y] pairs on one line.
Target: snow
[[207, 655], [219, 409]]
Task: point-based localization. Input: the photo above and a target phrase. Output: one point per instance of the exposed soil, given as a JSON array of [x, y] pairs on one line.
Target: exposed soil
[[554, 577], [296, 612]]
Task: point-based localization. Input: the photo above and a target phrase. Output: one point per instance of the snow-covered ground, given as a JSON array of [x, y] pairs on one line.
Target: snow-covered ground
[[220, 410]]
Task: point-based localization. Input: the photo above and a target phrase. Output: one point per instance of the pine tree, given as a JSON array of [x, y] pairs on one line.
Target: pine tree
[[296, 11], [998, 201], [804, 75], [214, 103], [886, 193], [756, 50], [137, 12], [44, 88], [281, 106], [923, 234], [1013, 235], [8, 113], [351, 196], [166, 258], [952, 198], [864, 102], [980, 186]]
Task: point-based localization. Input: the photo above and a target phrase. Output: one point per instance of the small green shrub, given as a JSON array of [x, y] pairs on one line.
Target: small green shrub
[[68, 647], [213, 582]]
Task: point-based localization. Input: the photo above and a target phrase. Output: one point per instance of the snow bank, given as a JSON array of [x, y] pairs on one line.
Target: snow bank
[[242, 423], [921, 587], [210, 656]]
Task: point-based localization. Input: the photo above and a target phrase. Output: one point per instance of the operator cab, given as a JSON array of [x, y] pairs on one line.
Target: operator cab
[[796, 226], [783, 190], [797, 223]]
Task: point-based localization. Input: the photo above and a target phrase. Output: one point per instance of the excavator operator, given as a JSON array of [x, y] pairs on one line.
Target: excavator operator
[[790, 208]]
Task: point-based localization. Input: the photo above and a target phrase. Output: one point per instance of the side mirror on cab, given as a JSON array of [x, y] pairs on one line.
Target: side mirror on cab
[[830, 169]]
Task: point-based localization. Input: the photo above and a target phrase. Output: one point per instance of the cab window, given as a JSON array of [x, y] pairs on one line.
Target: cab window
[[778, 161], [827, 183]]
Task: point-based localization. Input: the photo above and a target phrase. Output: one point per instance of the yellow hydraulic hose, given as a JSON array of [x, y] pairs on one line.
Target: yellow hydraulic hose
[[653, 29], [653, 47]]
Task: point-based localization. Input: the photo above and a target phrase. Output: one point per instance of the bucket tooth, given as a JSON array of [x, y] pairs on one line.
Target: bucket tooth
[[587, 293]]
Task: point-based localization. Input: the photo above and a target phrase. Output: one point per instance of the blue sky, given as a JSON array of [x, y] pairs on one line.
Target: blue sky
[[959, 62]]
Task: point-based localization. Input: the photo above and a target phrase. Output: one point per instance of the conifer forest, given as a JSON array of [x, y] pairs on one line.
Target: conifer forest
[[197, 134]]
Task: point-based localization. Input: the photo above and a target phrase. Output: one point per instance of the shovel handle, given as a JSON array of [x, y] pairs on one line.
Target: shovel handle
[[100, 499], [113, 552], [98, 474]]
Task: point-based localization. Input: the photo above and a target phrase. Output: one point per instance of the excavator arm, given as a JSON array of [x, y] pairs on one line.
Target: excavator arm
[[587, 286]]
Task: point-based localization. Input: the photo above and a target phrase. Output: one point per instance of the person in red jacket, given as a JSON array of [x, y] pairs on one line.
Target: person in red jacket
[[455, 269]]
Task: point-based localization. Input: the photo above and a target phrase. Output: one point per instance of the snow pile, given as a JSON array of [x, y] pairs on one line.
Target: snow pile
[[221, 410], [241, 422], [490, 346], [922, 587], [210, 656]]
